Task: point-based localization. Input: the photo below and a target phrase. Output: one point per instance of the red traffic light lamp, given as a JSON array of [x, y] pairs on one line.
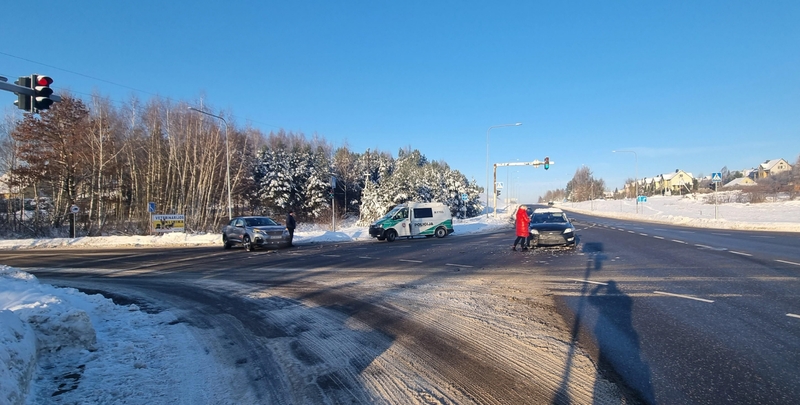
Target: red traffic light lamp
[[42, 92]]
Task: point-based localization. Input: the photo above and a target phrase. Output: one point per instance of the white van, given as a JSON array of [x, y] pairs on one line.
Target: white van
[[413, 219]]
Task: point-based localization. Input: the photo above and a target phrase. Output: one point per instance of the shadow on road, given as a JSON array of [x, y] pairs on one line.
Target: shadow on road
[[606, 311]]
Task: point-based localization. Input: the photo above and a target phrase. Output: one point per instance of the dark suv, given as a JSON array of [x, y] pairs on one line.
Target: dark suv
[[252, 232]]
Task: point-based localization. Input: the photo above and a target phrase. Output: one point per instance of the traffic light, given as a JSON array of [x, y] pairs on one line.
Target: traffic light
[[23, 100], [42, 92], [498, 193], [546, 162]]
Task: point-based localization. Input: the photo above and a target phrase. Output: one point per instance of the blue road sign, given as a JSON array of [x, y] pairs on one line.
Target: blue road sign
[[716, 177], [464, 197], [641, 198], [151, 207]]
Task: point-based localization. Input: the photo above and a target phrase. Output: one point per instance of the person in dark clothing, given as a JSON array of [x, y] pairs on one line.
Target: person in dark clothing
[[290, 225]]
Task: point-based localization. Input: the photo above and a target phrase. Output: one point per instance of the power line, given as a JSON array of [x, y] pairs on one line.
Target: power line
[[115, 84]]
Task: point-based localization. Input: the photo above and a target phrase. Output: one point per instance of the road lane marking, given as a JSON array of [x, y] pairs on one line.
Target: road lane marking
[[740, 253], [703, 246], [686, 231], [411, 261], [788, 262], [721, 234], [364, 257], [793, 315], [688, 297], [631, 232], [659, 237], [763, 237], [587, 281], [679, 241], [643, 234], [332, 255], [458, 265]]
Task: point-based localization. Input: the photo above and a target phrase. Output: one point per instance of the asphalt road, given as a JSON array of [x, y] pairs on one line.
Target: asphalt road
[[686, 315], [674, 315]]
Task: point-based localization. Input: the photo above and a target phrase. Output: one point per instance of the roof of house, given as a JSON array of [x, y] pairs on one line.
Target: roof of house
[[742, 181]]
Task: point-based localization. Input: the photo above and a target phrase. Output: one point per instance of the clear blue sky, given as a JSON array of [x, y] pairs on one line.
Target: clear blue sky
[[691, 85]]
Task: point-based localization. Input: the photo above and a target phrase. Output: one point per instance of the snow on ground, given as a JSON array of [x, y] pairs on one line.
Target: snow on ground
[[132, 355]]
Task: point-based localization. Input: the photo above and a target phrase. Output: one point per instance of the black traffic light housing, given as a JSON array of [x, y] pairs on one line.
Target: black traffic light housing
[[23, 100], [42, 92], [546, 162]]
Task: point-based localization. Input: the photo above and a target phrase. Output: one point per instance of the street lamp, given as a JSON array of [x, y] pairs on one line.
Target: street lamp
[[636, 174], [227, 158], [487, 161]]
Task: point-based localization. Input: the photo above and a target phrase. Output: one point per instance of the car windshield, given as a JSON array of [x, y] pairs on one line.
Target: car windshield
[[263, 221], [391, 213], [548, 218]]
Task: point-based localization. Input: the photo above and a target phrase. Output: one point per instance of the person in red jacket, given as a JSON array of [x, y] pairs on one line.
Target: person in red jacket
[[523, 228]]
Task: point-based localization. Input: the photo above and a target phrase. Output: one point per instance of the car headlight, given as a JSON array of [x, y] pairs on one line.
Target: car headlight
[[569, 230], [257, 231], [534, 231]]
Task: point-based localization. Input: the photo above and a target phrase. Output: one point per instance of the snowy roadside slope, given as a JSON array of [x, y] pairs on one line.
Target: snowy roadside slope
[[54, 338], [697, 211]]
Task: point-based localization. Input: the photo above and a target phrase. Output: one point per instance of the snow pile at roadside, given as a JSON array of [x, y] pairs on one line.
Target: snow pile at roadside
[[66, 338]]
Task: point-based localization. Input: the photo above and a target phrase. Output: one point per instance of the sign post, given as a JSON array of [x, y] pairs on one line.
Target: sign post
[[716, 178], [73, 210]]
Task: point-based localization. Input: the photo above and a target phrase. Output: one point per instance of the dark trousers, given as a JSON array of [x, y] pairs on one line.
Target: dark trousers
[[522, 240], [291, 235]]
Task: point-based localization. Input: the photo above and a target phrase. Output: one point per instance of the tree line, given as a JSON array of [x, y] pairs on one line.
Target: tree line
[[112, 161]]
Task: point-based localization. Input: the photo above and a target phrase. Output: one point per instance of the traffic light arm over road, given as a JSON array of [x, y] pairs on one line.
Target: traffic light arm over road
[[27, 89], [535, 163]]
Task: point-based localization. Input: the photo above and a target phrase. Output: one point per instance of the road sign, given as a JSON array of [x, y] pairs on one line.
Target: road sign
[[716, 177], [151, 207], [464, 197], [642, 198], [74, 209]]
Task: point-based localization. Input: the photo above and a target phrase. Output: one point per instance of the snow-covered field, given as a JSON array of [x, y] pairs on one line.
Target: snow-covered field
[[132, 352]]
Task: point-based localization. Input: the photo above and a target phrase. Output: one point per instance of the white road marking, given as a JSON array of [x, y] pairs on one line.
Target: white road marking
[[364, 257], [682, 296], [793, 315], [679, 241], [587, 281], [788, 262], [659, 237], [686, 231], [721, 234], [457, 265], [411, 261], [763, 237], [631, 232], [643, 234], [332, 255], [740, 253]]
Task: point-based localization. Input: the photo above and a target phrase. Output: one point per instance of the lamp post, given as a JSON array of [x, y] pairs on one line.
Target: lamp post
[[487, 161], [227, 158], [636, 174]]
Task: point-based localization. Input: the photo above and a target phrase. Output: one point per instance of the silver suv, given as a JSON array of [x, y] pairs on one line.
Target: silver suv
[[252, 232]]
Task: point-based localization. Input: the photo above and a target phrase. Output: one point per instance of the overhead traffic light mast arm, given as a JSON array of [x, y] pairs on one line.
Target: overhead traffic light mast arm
[[535, 163]]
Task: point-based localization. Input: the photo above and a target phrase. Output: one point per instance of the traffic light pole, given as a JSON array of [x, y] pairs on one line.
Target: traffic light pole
[[535, 163]]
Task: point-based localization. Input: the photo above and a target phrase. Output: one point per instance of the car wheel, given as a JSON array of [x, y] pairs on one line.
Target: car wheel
[[248, 245], [225, 242], [440, 232], [391, 235]]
